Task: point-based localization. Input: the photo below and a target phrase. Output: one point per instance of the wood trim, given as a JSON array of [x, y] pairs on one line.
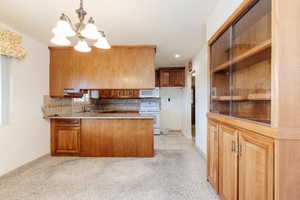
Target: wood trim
[[213, 154], [52, 136], [244, 124], [114, 46], [171, 68], [244, 5], [287, 171]]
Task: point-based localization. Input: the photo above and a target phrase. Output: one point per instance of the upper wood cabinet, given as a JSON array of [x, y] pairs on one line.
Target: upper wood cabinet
[[172, 77], [122, 67], [213, 157], [240, 66], [119, 94], [164, 78], [157, 78]]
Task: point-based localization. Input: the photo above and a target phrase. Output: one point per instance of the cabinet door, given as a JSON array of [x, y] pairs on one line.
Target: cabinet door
[[164, 78], [67, 140], [179, 78], [228, 163], [156, 78], [62, 74], [256, 167], [212, 156]]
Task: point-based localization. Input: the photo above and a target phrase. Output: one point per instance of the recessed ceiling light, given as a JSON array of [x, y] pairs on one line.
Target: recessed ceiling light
[[177, 55]]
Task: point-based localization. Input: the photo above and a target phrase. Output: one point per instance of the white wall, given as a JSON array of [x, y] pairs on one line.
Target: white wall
[[4, 89], [26, 137], [172, 113], [201, 84], [220, 14], [187, 127]]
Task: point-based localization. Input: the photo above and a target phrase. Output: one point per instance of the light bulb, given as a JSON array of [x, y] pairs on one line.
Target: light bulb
[[63, 28], [102, 43], [82, 46], [60, 40], [90, 31]]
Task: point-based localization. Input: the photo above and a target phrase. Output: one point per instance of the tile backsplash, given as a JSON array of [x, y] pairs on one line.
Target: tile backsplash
[[118, 104], [60, 106]]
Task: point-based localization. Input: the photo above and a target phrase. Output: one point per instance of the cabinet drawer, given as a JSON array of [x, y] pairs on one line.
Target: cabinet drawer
[[67, 122]]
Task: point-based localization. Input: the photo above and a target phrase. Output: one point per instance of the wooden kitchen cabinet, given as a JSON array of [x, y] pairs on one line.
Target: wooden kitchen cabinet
[[164, 78], [228, 163], [254, 75], [244, 162], [102, 137], [117, 138], [65, 137], [157, 78], [256, 167], [119, 94], [177, 78], [122, 67], [62, 74], [213, 157], [172, 77]]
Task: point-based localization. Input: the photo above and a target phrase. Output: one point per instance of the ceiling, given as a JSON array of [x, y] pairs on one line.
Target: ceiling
[[175, 26]]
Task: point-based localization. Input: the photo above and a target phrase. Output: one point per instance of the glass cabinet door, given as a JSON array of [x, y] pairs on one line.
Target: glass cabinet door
[[240, 66], [220, 74], [251, 64]]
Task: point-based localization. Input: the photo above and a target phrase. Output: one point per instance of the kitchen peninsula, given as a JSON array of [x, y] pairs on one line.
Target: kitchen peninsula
[[122, 71], [102, 135]]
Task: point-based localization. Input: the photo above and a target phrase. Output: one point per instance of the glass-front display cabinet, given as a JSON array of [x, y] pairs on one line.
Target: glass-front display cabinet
[[240, 66]]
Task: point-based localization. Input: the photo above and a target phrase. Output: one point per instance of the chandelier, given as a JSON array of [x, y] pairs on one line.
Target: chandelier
[[65, 29]]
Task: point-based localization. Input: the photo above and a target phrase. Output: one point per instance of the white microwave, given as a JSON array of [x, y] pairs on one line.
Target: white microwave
[[153, 93]]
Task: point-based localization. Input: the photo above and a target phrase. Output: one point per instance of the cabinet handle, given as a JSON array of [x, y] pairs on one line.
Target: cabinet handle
[[240, 150], [233, 146]]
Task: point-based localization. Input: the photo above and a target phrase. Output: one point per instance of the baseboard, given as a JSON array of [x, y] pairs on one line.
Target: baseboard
[[24, 166]]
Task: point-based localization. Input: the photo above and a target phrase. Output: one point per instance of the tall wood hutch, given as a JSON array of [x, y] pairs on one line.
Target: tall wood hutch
[[253, 124]]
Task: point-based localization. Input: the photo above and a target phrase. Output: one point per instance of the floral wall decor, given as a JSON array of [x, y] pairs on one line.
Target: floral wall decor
[[10, 45]]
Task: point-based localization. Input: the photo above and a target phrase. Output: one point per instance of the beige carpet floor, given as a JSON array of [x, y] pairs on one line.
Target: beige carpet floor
[[177, 172]]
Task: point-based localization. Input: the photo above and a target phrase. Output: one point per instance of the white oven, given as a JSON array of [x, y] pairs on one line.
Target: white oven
[[152, 108]]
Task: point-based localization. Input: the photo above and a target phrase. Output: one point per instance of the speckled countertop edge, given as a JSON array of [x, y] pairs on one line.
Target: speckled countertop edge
[[101, 116]]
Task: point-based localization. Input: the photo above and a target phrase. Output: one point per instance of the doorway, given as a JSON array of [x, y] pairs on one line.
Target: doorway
[[193, 106]]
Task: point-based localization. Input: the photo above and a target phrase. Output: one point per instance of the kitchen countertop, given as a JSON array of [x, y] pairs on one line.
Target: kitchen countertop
[[91, 115]]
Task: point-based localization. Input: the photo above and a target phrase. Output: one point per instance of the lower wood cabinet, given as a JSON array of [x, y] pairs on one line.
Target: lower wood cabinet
[[102, 137], [256, 166], [213, 155], [245, 163], [228, 163], [65, 137]]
